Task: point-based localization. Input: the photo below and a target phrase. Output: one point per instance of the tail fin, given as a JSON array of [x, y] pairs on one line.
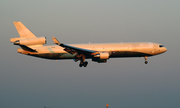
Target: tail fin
[[27, 38], [23, 31]]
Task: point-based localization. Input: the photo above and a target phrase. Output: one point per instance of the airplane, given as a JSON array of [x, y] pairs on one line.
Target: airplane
[[97, 52]]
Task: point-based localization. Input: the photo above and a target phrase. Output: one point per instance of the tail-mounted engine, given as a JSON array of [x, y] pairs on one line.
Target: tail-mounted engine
[[29, 41], [101, 57]]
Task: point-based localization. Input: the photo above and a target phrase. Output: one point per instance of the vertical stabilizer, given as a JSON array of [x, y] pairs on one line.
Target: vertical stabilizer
[[23, 31]]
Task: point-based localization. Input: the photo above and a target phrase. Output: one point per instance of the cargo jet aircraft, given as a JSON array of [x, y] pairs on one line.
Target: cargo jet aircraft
[[100, 53]]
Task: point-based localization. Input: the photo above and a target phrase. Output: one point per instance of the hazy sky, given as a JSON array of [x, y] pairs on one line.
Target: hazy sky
[[29, 82]]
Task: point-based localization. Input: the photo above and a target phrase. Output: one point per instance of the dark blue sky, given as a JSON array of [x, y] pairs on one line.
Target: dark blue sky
[[29, 82]]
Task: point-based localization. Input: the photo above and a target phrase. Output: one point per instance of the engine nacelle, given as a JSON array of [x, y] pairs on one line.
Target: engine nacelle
[[99, 60], [15, 39], [31, 41], [101, 57]]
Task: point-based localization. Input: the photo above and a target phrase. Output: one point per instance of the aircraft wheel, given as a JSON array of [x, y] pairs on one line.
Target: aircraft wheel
[[80, 65], [146, 62], [85, 63]]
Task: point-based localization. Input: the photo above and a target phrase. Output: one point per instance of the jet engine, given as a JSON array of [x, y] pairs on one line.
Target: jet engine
[[31, 41], [101, 57]]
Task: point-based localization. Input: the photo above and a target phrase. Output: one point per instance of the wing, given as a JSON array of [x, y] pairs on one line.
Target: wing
[[72, 49]]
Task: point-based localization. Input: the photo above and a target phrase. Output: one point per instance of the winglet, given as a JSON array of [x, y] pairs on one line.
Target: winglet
[[56, 41]]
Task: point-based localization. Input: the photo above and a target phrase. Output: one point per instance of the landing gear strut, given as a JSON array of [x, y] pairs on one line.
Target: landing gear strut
[[146, 62]]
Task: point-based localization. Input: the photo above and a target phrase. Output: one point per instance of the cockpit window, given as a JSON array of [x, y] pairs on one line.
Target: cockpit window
[[161, 45]]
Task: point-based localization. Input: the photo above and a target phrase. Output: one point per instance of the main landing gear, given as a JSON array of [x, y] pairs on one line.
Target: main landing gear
[[146, 62], [82, 61], [83, 64]]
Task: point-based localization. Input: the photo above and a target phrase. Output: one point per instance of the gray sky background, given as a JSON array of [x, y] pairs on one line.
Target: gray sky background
[[29, 82]]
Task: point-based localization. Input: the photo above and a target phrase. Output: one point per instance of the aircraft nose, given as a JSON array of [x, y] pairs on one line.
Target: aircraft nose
[[165, 49]]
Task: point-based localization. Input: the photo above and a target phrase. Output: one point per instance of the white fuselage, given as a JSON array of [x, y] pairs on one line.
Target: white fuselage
[[141, 49]]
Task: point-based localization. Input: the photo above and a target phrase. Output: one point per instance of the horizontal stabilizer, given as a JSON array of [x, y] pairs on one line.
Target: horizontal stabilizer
[[27, 48]]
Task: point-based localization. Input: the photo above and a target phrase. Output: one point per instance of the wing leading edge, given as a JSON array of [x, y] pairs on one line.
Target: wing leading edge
[[72, 49]]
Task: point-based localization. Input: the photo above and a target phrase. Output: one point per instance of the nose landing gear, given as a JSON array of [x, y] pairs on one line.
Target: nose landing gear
[[146, 62]]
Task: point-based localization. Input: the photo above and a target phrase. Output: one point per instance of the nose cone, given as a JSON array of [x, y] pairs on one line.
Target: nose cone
[[159, 49], [165, 49]]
